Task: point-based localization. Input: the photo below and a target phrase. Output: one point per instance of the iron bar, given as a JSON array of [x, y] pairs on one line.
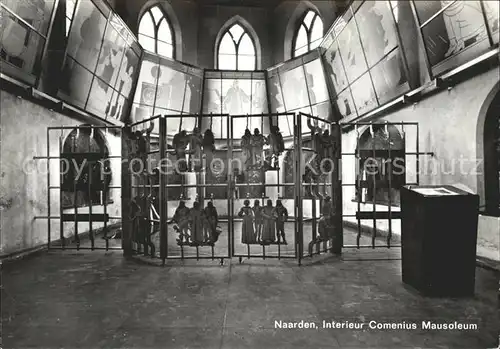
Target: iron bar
[[48, 191], [264, 256], [389, 235], [61, 179], [359, 192], [104, 198], [162, 196], [62, 157], [84, 127], [407, 153], [370, 246], [367, 123], [89, 188], [75, 208], [374, 199], [69, 248], [435, 15], [153, 118]]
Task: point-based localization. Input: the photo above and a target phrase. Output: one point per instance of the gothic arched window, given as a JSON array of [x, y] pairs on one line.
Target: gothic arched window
[[308, 35], [155, 32], [236, 50]]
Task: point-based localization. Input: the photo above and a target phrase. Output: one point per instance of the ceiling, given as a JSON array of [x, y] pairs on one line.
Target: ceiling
[[241, 3]]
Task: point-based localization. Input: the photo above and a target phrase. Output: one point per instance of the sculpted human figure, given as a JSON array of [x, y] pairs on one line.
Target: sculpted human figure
[[268, 224], [275, 140], [196, 219], [257, 212], [181, 217], [211, 220], [208, 146], [180, 143], [246, 147], [247, 228], [281, 215], [196, 143], [257, 142]]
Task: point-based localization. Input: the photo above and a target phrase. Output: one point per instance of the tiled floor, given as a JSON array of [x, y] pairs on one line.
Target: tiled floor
[[98, 300]]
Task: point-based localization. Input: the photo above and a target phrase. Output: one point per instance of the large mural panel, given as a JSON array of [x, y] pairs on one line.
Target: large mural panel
[[455, 35], [167, 87], [363, 62], [234, 93], [101, 63], [299, 85], [23, 36]]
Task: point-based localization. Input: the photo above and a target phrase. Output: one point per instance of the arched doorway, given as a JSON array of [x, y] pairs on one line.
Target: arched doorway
[[381, 154], [491, 146]]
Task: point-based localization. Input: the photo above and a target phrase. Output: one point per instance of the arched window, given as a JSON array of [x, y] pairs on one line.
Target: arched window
[[155, 32], [236, 50], [87, 169], [309, 34], [381, 165]]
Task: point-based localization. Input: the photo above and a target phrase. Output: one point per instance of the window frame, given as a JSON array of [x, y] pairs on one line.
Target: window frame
[[157, 27], [301, 24], [236, 45]]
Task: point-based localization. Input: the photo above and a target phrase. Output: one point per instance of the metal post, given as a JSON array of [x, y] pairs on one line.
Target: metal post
[[162, 197], [105, 198], [61, 179], [89, 188], [126, 194], [389, 235], [374, 178], [75, 214], [298, 184], [48, 190], [359, 195], [337, 192]]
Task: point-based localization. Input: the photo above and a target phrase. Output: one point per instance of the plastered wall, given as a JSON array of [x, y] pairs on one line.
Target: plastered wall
[[448, 122]]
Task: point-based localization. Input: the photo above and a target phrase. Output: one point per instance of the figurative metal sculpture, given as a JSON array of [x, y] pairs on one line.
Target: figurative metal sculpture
[[247, 228], [211, 223], [181, 218], [196, 219], [325, 222], [180, 143], [313, 170], [141, 222], [208, 146], [281, 215], [257, 213], [268, 224], [195, 157], [257, 144], [275, 140], [140, 147], [246, 147]]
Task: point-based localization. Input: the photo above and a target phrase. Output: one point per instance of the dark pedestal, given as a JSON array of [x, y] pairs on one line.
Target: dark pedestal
[[438, 236]]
